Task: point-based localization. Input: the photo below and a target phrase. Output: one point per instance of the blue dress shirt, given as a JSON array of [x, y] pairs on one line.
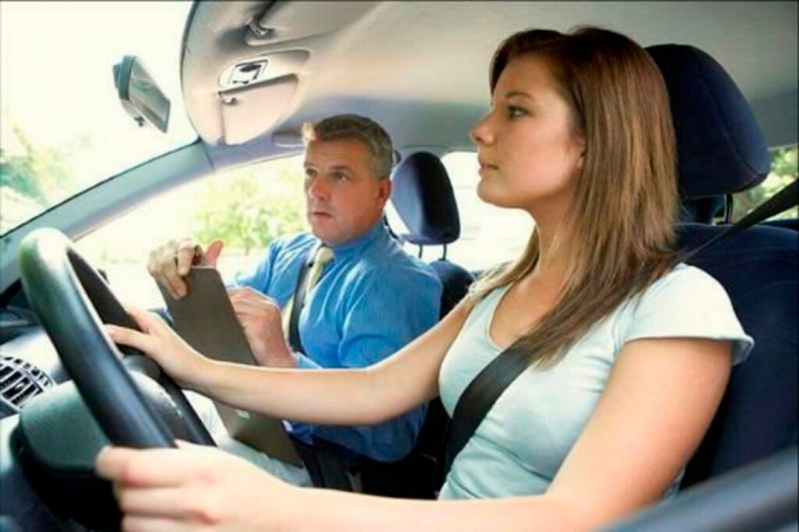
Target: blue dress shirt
[[371, 300]]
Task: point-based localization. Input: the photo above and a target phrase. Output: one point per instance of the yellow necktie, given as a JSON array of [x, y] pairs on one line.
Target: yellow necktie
[[322, 256]]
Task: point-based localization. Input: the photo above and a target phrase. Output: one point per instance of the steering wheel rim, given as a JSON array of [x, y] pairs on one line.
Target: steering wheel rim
[[55, 278]]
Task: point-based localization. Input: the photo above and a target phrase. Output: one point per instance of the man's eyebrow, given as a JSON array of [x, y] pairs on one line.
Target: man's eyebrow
[[335, 167]]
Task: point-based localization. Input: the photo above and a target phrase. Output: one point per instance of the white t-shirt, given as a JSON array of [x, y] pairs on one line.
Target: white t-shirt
[[525, 437]]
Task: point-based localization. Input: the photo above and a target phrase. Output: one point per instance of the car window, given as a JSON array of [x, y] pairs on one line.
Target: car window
[[489, 235], [783, 172], [63, 127], [246, 207]]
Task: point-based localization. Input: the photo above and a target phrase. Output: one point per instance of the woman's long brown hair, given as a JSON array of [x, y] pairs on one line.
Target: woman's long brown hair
[[625, 205]]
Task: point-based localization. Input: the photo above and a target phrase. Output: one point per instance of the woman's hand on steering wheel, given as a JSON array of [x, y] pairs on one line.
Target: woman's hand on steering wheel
[[159, 342], [196, 487]]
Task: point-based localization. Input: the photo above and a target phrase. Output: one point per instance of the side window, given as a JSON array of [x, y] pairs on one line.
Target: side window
[[489, 235], [783, 172], [246, 207]]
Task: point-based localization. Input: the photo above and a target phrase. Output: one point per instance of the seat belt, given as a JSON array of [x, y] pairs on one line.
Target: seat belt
[[484, 390], [293, 333], [325, 463]]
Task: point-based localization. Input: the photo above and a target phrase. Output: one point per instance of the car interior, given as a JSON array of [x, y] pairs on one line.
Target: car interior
[[252, 72]]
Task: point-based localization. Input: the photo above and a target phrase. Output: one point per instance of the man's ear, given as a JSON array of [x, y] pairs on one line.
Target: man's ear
[[384, 189]]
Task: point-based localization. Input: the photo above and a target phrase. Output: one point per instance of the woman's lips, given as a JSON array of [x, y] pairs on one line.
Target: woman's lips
[[486, 164]]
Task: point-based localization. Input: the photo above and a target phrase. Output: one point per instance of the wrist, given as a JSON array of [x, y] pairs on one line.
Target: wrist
[[201, 375], [291, 516]]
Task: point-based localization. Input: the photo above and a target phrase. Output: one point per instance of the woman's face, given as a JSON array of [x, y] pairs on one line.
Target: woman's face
[[528, 153]]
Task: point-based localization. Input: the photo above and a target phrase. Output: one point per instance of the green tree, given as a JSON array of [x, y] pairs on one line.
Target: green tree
[[250, 207], [783, 171], [40, 174]]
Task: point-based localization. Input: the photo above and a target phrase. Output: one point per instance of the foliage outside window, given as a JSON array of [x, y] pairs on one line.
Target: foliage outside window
[[250, 207], [783, 172], [246, 208]]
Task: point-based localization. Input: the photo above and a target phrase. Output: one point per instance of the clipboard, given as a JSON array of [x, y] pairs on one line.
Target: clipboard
[[205, 318]]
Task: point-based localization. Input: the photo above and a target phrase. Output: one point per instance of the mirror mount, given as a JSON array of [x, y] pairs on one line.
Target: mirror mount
[[140, 96]]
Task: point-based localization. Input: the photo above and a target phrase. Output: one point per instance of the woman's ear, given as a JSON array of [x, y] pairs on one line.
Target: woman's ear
[[582, 147]]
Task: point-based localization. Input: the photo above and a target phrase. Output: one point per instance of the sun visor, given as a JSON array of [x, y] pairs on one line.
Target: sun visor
[[249, 111]]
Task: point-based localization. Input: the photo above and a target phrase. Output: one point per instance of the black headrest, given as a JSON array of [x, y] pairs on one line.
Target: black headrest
[[423, 197], [720, 147]]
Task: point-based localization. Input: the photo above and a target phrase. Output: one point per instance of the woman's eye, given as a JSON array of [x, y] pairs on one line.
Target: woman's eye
[[515, 112]]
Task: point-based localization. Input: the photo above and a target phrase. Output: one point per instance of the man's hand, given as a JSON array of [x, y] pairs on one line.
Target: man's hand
[[169, 263], [261, 319]]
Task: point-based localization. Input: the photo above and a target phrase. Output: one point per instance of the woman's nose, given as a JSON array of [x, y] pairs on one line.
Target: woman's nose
[[480, 132]]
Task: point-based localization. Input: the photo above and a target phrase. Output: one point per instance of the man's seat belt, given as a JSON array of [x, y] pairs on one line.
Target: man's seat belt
[[484, 390], [326, 465], [329, 465]]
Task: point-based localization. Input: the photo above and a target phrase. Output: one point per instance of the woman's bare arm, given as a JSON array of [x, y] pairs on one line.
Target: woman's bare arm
[[656, 408], [658, 403], [346, 397]]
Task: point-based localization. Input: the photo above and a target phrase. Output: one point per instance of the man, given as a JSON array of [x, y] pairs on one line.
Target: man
[[371, 299]]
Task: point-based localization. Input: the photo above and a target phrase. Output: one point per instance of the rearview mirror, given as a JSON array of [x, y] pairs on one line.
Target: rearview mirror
[[139, 94]]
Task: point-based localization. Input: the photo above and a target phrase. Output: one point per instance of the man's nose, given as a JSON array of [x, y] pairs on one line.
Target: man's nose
[[317, 188]]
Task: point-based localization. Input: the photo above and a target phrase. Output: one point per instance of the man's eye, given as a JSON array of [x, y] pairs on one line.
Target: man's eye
[[310, 172], [338, 176]]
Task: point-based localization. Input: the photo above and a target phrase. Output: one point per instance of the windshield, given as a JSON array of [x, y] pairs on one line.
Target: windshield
[[63, 127]]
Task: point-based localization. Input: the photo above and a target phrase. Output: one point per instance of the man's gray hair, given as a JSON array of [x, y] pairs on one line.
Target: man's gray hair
[[356, 127]]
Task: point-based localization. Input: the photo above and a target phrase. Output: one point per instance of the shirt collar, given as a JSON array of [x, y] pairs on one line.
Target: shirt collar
[[348, 249]]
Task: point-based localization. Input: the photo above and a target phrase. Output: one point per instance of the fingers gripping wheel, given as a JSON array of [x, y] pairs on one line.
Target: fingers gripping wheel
[[72, 301]]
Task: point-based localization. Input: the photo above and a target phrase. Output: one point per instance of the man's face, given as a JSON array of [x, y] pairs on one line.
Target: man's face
[[344, 198]]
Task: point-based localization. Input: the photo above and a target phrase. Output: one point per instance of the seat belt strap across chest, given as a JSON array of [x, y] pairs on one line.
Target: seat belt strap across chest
[[293, 333]]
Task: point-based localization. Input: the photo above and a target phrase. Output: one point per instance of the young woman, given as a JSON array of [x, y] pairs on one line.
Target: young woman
[[630, 350]]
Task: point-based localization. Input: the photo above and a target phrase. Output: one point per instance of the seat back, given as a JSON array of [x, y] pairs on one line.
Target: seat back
[[721, 150], [425, 202], [787, 223]]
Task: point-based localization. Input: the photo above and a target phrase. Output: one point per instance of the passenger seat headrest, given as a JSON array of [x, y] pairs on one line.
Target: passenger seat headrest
[[423, 197], [720, 147]]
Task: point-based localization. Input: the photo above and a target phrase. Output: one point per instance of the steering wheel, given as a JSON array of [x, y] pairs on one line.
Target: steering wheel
[[72, 301]]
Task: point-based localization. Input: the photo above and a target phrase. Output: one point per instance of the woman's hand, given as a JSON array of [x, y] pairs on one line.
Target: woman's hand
[[158, 341], [195, 488]]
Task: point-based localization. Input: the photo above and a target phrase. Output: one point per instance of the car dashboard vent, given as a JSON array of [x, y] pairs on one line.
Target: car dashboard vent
[[19, 383]]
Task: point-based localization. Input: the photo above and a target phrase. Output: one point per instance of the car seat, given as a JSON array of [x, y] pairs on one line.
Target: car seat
[[721, 151], [425, 202]]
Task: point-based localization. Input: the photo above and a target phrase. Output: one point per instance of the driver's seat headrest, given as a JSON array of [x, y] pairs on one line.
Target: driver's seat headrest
[[720, 147], [424, 200]]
